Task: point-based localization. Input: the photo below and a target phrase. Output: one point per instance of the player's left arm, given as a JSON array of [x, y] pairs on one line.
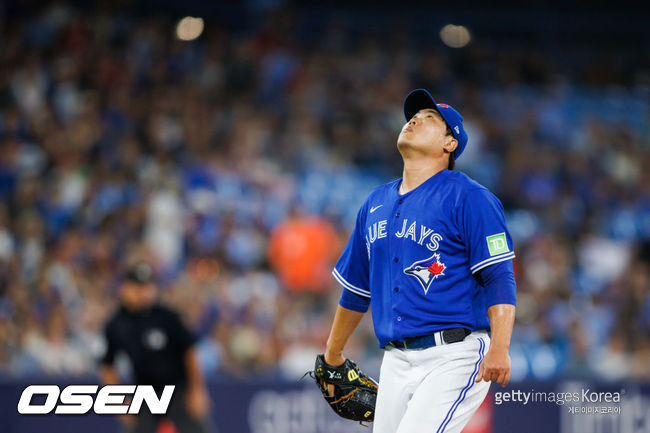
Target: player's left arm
[[491, 252], [498, 281], [496, 364]]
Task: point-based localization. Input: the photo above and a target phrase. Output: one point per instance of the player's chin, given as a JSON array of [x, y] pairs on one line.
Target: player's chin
[[410, 147], [403, 142]]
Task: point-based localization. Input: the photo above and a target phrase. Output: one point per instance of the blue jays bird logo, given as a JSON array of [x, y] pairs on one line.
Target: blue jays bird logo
[[426, 270]]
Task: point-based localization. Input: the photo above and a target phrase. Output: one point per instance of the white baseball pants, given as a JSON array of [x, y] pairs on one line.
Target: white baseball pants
[[431, 390]]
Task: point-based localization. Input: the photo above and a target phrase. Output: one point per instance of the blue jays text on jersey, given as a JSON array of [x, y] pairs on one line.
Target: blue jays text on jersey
[[414, 256]]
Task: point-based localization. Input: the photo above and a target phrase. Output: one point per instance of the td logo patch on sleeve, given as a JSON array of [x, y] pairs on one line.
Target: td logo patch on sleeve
[[497, 244]]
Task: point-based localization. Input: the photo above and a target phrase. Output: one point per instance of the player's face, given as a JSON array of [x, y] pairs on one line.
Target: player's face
[[136, 296], [426, 133]]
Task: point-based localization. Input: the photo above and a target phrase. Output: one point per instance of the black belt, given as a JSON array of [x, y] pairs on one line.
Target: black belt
[[446, 336]]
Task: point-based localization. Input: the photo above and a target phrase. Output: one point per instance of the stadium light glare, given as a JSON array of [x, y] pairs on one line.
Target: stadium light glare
[[189, 28], [455, 36]]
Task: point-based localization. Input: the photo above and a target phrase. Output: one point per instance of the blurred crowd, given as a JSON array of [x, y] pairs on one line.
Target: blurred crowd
[[236, 164]]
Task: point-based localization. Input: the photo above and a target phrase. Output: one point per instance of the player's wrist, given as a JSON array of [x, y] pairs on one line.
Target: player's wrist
[[499, 347], [334, 358]]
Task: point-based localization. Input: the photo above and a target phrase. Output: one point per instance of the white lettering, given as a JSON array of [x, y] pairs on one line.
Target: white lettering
[[498, 244], [382, 229], [25, 405], [110, 400], [156, 405], [76, 399], [410, 233], [401, 234], [433, 245], [424, 232], [372, 233]]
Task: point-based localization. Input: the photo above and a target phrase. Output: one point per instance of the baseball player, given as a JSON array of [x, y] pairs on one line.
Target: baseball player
[[432, 254]]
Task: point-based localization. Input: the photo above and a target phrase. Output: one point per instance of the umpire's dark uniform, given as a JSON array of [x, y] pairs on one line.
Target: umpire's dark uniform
[[156, 342]]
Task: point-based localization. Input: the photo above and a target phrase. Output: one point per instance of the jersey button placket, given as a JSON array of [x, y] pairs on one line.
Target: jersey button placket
[[391, 247], [397, 208]]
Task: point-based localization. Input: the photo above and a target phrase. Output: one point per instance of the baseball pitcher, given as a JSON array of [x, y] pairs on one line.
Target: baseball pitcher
[[432, 255]]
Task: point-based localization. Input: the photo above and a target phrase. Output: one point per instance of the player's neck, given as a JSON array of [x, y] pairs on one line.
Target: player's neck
[[416, 172]]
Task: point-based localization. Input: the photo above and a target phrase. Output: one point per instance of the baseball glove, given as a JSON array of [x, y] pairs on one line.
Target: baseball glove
[[355, 393]]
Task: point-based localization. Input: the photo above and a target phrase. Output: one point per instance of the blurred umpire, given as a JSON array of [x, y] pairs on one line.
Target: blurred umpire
[[161, 351]]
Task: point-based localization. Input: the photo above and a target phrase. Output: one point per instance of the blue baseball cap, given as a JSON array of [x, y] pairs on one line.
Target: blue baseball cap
[[421, 98]]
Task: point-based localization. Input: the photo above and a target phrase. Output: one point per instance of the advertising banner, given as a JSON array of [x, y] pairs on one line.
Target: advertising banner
[[297, 407]]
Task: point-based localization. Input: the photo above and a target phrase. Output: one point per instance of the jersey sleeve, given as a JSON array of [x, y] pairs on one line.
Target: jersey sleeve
[[499, 283], [483, 227], [354, 302], [352, 268]]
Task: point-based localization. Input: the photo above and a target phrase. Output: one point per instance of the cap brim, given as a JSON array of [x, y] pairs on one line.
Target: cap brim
[[419, 99], [416, 101], [140, 274]]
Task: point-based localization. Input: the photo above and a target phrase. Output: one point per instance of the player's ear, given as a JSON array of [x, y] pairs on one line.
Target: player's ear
[[450, 145]]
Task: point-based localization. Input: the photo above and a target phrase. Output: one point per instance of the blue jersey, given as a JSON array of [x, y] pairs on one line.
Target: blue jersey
[[415, 255]]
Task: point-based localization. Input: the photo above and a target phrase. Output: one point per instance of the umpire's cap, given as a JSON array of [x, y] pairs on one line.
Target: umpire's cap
[[140, 273], [421, 98]]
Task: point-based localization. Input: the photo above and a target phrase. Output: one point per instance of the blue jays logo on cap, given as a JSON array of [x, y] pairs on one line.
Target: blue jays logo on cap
[[421, 98], [427, 270]]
